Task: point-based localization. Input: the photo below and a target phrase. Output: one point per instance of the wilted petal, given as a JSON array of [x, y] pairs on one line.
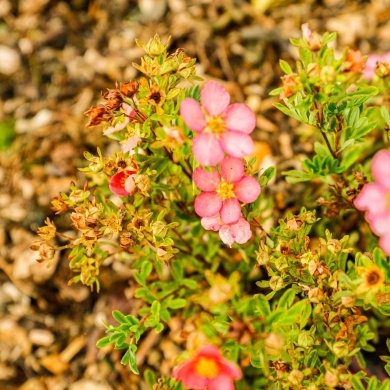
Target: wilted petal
[[192, 114], [214, 98], [239, 117], [207, 149], [206, 181], [230, 211], [232, 169], [130, 144], [211, 223], [236, 144], [247, 189], [380, 168], [208, 204], [117, 184]]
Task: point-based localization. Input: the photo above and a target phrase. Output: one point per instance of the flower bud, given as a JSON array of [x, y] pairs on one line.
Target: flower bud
[[262, 257], [305, 340], [159, 229], [340, 349], [273, 344], [276, 283], [328, 74], [47, 232], [295, 377]]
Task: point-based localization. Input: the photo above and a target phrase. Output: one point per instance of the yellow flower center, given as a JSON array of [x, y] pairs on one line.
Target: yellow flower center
[[225, 190], [388, 200], [207, 368], [216, 124]]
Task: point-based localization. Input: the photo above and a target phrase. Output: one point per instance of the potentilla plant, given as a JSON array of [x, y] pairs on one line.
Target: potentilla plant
[[179, 202]]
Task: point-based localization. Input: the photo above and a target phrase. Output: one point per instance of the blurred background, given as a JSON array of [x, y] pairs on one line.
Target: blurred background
[[55, 58]]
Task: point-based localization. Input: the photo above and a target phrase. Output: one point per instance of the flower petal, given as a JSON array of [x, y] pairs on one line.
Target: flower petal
[[372, 197], [241, 231], [230, 211], [186, 373], [236, 144], [192, 114], [232, 169], [208, 204], [380, 168], [247, 189], [207, 149], [214, 98], [130, 183], [239, 117], [206, 181], [117, 184], [379, 223], [211, 223], [222, 381], [210, 351], [226, 236], [130, 144]]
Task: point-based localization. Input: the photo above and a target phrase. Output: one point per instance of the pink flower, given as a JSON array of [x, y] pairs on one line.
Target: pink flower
[[130, 144], [239, 232], [372, 60], [222, 193], [123, 182], [207, 370], [129, 113], [221, 128], [375, 199]]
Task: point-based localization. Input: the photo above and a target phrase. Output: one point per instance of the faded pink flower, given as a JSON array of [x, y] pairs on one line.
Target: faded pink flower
[[130, 144], [129, 113], [123, 182], [239, 232], [375, 199], [220, 127], [313, 40], [372, 60], [223, 192], [207, 370]]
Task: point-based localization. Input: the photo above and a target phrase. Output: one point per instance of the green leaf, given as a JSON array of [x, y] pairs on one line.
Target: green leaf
[[262, 305], [150, 377], [177, 303], [286, 299], [133, 362], [189, 283], [7, 134], [155, 309], [285, 66], [356, 383], [146, 269], [266, 176], [119, 317], [104, 342], [177, 270], [159, 327], [385, 115]]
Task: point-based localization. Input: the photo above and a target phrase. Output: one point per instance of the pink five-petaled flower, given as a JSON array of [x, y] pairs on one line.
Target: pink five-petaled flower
[[123, 182], [239, 232], [223, 192], [220, 127], [375, 199], [207, 370]]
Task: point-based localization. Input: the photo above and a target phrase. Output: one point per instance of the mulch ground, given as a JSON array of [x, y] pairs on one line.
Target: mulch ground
[[55, 58]]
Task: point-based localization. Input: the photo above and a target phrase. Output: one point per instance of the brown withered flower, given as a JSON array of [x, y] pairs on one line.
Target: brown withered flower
[[129, 89], [47, 232], [58, 205], [97, 115], [113, 97], [289, 86], [126, 241]]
